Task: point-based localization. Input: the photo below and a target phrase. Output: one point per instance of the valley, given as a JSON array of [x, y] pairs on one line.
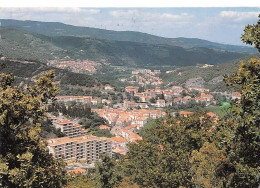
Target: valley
[[107, 108]]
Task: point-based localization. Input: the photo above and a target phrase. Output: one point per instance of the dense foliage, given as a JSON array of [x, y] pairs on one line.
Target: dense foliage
[[106, 175], [162, 158], [24, 159], [48, 130], [87, 118], [252, 35], [103, 133]]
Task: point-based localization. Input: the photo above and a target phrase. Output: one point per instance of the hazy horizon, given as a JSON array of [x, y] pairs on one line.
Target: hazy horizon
[[221, 25]]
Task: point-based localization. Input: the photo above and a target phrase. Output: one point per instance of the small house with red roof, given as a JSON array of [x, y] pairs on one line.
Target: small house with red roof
[[77, 171], [236, 95], [185, 113], [104, 127]]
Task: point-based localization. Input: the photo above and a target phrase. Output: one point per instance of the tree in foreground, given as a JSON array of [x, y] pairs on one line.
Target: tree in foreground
[[252, 35], [199, 152], [242, 133], [80, 181], [24, 158], [164, 160], [106, 175], [235, 162]]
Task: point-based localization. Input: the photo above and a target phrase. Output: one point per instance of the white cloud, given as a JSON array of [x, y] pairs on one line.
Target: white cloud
[[146, 16], [238, 16], [46, 10], [176, 17], [93, 11], [121, 13], [70, 15]]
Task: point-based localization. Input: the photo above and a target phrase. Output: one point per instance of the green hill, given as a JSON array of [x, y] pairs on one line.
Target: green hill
[[60, 29], [25, 45], [26, 71], [211, 77]]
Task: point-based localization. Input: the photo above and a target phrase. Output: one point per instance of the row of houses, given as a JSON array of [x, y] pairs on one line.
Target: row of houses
[[170, 96], [204, 98], [160, 103], [123, 117], [125, 123], [146, 77]]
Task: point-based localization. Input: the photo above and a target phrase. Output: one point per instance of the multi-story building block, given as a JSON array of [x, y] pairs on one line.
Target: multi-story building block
[[69, 128], [86, 147], [81, 99]]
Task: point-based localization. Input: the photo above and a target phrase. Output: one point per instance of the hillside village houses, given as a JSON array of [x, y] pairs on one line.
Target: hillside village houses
[[160, 103], [170, 96], [141, 71], [123, 117], [119, 145], [123, 121], [145, 77], [164, 97], [75, 65], [132, 89]]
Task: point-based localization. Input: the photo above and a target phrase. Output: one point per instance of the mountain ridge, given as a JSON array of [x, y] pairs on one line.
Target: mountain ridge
[[25, 45], [61, 29]]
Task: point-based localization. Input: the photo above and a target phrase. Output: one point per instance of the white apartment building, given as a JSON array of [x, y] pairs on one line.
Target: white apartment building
[[86, 147], [81, 99], [69, 128], [160, 103]]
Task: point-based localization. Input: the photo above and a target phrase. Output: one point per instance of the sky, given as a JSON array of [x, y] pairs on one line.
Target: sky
[[222, 25]]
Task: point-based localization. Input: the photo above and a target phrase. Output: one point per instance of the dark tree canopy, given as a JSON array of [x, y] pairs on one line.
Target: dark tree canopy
[[24, 158], [252, 34]]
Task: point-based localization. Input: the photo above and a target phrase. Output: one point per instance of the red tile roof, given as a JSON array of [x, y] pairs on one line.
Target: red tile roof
[[63, 121], [203, 95], [185, 113], [76, 125], [77, 171], [211, 114], [119, 139], [104, 127]]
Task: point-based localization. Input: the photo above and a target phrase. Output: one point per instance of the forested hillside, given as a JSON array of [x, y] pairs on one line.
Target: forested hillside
[[210, 77], [27, 71], [20, 44], [60, 29]]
